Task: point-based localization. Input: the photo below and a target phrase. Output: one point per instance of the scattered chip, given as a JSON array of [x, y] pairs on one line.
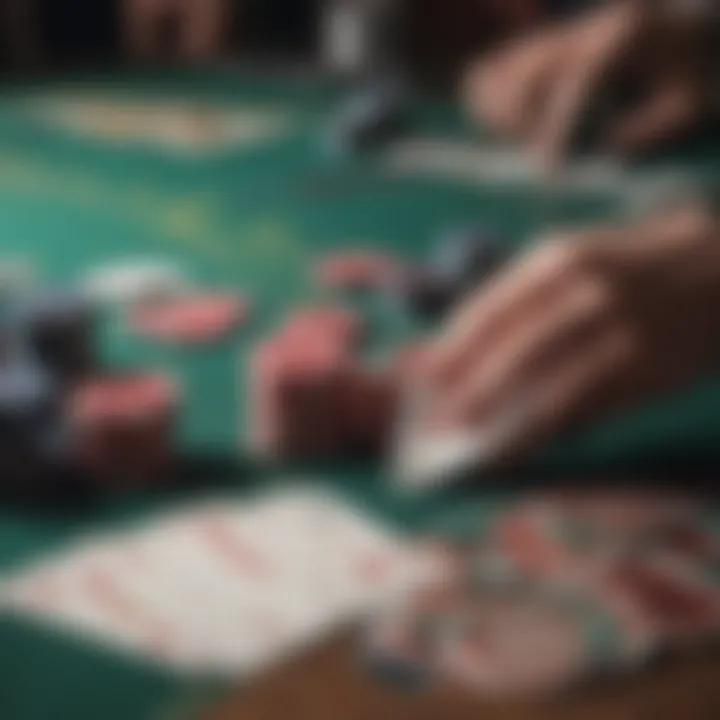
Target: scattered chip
[[190, 319], [674, 603], [131, 282], [418, 292], [371, 118], [355, 270], [515, 647], [465, 257], [333, 324]]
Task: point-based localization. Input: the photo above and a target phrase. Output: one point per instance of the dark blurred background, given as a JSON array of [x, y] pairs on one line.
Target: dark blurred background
[[438, 36]]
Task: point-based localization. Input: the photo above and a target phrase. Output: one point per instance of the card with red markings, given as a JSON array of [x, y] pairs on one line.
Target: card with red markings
[[223, 588], [190, 318]]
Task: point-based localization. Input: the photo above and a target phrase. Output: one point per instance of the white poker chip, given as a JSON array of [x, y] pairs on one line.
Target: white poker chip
[[135, 282]]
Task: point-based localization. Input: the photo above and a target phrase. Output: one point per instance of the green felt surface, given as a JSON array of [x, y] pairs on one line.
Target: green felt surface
[[252, 219]]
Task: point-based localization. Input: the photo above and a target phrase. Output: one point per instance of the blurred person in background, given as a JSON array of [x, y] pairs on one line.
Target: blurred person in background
[[192, 30], [540, 86], [593, 321], [19, 30]]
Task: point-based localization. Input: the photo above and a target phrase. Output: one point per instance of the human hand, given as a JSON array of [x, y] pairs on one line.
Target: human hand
[[581, 326], [538, 88]]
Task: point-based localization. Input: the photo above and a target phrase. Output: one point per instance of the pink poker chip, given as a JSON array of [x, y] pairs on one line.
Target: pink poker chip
[[190, 319], [676, 605], [324, 324], [354, 270], [124, 396]]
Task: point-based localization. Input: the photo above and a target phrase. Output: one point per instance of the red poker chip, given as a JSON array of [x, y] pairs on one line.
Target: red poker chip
[[337, 326], [675, 605], [191, 318], [127, 396], [354, 270], [635, 513], [522, 537]]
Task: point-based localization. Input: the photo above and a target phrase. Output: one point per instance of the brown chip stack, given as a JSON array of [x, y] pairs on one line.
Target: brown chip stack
[[122, 427]]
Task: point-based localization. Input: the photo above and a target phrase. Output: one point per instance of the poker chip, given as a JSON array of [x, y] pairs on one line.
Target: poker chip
[[122, 428], [30, 423], [57, 326], [418, 292], [624, 514], [296, 393], [671, 602], [370, 118], [189, 319], [125, 396], [465, 257], [131, 282], [332, 324], [354, 270], [370, 410], [514, 647]]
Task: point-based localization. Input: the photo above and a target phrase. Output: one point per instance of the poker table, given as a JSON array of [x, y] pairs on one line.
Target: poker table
[[251, 211]]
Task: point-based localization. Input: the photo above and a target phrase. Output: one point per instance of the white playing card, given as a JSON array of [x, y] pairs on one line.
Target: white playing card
[[227, 587], [502, 166]]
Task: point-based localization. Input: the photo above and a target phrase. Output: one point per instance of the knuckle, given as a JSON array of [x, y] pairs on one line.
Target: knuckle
[[561, 255], [600, 297]]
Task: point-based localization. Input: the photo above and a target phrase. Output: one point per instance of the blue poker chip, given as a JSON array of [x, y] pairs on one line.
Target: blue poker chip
[[370, 118], [418, 292], [466, 256], [57, 327], [25, 389]]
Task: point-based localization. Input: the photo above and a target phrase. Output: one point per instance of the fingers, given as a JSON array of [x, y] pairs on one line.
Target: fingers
[[599, 44], [141, 19], [668, 113], [581, 387], [201, 24], [529, 353], [504, 90], [203, 28], [526, 287]]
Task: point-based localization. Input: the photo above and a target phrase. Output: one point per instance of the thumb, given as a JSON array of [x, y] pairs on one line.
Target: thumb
[[667, 113]]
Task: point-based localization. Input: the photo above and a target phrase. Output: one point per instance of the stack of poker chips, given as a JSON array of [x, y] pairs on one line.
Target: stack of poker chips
[[122, 427], [311, 396], [61, 415], [557, 589], [47, 344]]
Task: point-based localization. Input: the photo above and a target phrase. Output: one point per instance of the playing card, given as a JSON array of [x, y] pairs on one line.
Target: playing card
[[484, 164], [226, 587]]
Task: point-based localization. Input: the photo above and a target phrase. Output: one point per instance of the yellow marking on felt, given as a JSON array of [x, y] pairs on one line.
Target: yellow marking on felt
[[271, 238], [190, 221]]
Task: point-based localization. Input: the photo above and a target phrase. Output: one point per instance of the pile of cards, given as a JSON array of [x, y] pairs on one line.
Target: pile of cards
[[560, 588], [222, 589]]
